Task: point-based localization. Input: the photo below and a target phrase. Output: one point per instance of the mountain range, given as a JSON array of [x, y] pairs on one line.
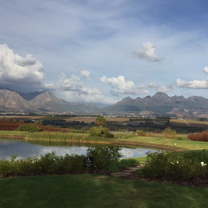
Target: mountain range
[[158, 105]]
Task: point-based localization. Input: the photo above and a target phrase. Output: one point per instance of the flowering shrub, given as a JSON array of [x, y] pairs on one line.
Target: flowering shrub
[[187, 166], [199, 136]]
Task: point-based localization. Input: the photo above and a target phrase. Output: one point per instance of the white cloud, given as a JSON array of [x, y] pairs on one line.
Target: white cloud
[[92, 96], [147, 52], [195, 84], [84, 73], [205, 69], [17, 72], [160, 88], [121, 86], [72, 84]]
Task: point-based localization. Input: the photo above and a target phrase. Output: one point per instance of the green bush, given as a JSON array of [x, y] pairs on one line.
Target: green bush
[[94, 131], [29, 128], [46, 164], [38, 123], [186, 166], [104, 156]]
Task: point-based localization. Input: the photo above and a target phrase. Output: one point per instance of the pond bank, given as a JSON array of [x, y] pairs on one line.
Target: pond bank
[[12, 137], [136, 144], [156, 146]]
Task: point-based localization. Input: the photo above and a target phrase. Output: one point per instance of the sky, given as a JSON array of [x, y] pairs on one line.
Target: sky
[[101, 51]]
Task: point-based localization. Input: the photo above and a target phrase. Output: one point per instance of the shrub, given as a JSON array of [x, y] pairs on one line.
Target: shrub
[[104, 157], [168, 133], [104, 131], [38, 123], [186, 166], [199, 136], [95, 131], [140, 133], [29, 128], [46, 164]]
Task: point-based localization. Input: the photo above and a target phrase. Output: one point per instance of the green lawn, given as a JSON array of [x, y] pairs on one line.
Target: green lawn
[[88, 191], [14, 133], [176, 143], [186, 144]]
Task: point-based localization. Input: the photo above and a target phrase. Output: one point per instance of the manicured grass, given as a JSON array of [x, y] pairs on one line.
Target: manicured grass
[[88, 191], [14, 133], [186, 144]]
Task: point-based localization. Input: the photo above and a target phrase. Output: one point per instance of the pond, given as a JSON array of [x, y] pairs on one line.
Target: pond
[[29, 149]]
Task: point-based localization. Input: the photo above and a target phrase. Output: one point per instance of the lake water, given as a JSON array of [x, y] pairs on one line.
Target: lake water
[[29, 149]]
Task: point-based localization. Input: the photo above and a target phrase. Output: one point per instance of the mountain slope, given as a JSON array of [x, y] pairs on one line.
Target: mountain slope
[[44, 102], [161, 105]]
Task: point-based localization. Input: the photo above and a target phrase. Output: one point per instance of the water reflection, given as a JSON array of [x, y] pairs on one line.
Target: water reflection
[[29, 149]]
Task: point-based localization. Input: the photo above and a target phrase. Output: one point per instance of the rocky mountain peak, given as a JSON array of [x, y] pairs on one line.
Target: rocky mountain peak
[[126, 100]]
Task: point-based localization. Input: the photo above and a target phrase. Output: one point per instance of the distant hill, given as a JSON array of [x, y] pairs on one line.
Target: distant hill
[[161, 105], [158, 105], [43, 102]]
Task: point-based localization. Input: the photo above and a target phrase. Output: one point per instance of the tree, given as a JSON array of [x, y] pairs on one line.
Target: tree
[[38, 123], [100, 121], [168, 133]]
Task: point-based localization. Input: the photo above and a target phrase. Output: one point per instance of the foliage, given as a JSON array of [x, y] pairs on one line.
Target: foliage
[[5, 119], [199, 136], [14, 120], [186, 166], [94, 131], [140, 133], [29, 128], [169, 133], [104, 157], [46, 164], [38, 123], [100, 121]]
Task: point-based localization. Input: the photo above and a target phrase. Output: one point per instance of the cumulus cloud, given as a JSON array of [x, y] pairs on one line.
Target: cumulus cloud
[[74, 84], [18, 73], [84, 73], [195, 84], [90, 97], [160, 88], [121, 86], [147, 52], [205, 69]]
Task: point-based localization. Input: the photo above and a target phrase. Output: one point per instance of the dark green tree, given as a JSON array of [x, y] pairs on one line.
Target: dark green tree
[[100, 121]]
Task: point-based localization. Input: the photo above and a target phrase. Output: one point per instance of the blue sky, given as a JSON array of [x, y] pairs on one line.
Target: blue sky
[[103, 51]]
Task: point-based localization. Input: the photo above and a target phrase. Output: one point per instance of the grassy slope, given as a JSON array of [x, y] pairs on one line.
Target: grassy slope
[[186, 144], [88, 191]]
